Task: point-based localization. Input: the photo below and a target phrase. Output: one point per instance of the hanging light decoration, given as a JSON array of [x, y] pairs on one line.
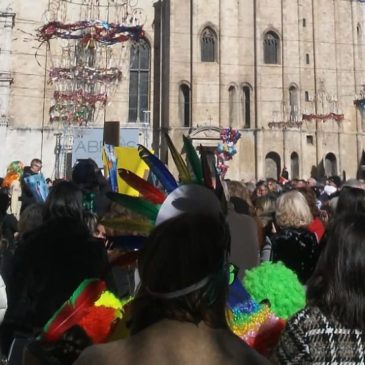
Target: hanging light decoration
[[84, 69], [328, 106]]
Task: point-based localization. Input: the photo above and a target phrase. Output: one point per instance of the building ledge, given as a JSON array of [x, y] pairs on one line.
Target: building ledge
[[6, 77]]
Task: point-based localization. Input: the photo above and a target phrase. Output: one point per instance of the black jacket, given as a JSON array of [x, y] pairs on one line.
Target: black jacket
[[297, 249], [48, 265]]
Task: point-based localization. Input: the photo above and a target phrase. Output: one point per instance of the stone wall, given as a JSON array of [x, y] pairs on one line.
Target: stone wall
[[322, 48]]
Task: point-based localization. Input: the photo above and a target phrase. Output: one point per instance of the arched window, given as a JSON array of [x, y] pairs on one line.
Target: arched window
[[208, 44], [232, 106], [293, 102], [246, 106], [330, 164], [359, 43], [271, 48], [306, 96], [272, 165], [362, 115], [139, 73], [184, 105], [294, 165], [307, 59]]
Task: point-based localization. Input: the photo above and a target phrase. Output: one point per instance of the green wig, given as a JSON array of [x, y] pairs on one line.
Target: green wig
[[16, 166], [277, 284]]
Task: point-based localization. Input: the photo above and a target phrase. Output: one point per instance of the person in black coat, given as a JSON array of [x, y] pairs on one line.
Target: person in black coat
[[88, 177], [285, 173], [34, 169], [49, 263], [293, 244]]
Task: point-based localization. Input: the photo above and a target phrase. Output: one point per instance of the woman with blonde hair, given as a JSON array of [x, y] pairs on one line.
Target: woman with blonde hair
[[11, 182], [292, 210], [293, 243]]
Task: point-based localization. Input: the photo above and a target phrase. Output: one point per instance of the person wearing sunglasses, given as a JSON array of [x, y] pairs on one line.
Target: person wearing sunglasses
[[179, 313]]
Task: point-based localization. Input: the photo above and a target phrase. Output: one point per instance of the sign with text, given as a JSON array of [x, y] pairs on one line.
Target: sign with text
[[88, 142]]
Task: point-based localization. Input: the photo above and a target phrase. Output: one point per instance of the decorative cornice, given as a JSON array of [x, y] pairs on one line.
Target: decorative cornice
[[206, 132]]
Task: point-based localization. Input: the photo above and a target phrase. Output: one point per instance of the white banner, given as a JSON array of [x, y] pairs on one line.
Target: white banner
[[88, 142]]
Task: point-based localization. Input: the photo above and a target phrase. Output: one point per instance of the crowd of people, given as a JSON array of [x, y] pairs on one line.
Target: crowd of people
[[178, 280]]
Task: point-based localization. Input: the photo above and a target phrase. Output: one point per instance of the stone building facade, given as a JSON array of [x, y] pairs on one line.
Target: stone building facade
[[285, 73], [26, 94], [273, 62]]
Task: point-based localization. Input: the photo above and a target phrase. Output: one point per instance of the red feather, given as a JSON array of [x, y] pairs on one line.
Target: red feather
[[147, 190], [268, 336], [209, 179], [69, 314], [97, 323]]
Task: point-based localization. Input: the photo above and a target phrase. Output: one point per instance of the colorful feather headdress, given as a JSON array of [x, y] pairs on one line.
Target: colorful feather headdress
[[258, 323], [196, 189], [90, 307]]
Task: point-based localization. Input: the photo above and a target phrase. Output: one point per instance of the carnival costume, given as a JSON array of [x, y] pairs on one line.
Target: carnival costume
[[256, 316], [12, 184]]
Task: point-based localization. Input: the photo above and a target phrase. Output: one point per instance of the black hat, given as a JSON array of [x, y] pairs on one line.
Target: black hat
[[336, 180], [85, 173]]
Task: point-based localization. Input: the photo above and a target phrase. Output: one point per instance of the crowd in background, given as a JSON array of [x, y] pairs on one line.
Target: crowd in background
[[316, 228]]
